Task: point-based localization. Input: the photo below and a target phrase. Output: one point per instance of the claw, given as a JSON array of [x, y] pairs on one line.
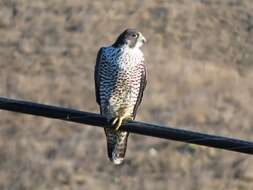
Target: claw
[[119, 123], [130, 118], [115, 121]]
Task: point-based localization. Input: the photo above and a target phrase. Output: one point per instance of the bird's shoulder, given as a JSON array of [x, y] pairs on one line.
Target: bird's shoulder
[[109, 50]]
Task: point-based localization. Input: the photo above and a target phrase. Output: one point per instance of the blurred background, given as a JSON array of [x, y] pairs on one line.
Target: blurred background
[[199, 57]]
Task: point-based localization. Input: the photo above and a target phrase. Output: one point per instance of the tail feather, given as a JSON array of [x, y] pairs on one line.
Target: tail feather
[[116, 144]]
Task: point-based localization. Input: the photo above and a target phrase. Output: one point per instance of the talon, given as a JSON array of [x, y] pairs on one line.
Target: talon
[[119, 123], [130, 118], [115, 121]]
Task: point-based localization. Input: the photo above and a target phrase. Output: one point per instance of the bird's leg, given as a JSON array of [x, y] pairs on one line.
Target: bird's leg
[[120, 120], [128, 118], [114, 121], [119, 123]]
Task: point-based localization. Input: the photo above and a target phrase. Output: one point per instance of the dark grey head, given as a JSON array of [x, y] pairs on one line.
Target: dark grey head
[[130, 37]]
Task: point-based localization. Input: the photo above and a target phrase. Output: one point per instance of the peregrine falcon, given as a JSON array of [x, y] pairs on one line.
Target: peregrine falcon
[[120, 79]]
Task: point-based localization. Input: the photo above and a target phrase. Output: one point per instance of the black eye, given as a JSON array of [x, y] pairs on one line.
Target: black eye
[[134, 35]]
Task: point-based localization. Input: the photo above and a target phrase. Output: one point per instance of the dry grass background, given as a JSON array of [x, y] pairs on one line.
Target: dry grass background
[[199, 56]]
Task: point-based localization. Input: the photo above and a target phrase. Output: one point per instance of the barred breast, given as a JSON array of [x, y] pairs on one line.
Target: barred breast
[[120, 80]]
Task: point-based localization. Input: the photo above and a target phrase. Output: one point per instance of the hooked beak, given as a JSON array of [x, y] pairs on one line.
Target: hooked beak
[[142, 38]]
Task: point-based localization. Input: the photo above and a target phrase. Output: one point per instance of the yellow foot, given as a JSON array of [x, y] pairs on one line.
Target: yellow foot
[[114, 121], [118, 121], [129, 118]]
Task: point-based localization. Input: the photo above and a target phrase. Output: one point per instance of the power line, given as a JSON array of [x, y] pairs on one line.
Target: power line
[[142, 128]]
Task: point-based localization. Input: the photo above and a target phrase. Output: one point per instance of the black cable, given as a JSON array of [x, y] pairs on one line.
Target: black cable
[[147, 129]]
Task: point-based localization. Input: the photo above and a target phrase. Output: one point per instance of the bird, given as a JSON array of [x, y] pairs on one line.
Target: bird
[[120, 80]]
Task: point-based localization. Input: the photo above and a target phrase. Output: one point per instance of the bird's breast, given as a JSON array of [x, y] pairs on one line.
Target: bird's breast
[[121, 80]]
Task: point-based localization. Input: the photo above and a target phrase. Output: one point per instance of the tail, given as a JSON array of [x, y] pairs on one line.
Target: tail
[[116, 145]]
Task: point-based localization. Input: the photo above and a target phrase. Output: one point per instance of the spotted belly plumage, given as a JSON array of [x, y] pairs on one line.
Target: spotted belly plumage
[[120, 78], [120, 81]]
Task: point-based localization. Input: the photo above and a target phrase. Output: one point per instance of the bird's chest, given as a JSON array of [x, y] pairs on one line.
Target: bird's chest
[[123, 77], [125, 66]]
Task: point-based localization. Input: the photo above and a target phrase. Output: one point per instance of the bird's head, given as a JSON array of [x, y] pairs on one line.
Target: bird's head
[[130, 37]]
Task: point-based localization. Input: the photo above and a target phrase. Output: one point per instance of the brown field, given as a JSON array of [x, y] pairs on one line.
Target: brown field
[[200, 71]]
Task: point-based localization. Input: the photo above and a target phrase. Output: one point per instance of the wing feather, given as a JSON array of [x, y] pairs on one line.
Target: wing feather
[[143, 84], [99, 62]]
